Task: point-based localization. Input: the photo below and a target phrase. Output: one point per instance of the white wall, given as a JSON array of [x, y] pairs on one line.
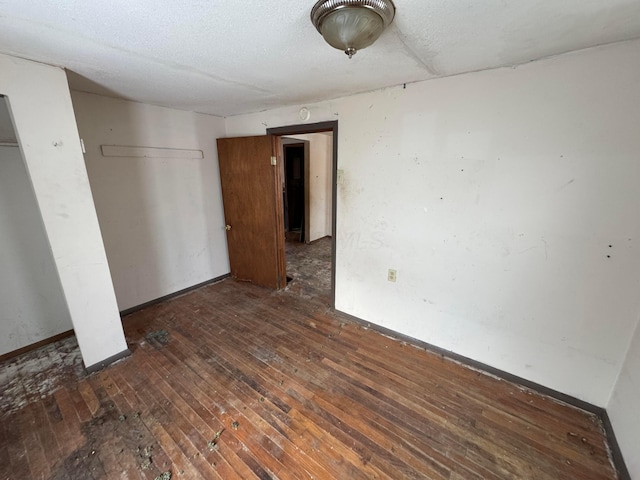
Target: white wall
[[40, 104], [496, 196], [320, 177], [31, 299], [7, 133], [623, 407], [162, 219]]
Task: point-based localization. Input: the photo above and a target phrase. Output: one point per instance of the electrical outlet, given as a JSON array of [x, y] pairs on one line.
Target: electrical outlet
[[391, 276]]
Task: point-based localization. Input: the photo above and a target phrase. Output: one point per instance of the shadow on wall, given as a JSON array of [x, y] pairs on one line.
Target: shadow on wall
[[122, 189], [81, 83], [156, 194]]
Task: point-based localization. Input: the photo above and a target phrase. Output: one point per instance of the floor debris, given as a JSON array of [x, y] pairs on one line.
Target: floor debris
[[306, 264], [157, 338], [213, 443], [34, 375], [145, 456]]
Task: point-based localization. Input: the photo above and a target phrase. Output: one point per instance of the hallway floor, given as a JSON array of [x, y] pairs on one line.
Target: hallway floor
[[309, 267]]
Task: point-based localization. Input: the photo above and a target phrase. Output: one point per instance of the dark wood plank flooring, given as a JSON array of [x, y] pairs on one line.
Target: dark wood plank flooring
[[309, 267], [235, 381]]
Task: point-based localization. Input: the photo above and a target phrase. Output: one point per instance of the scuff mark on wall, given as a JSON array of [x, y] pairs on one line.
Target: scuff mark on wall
[[567, 184]]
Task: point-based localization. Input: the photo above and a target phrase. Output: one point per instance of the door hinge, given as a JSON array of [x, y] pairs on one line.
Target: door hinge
[[273, 160]]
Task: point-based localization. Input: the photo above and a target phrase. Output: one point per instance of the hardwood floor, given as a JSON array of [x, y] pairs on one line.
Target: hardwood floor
[[309, 267], [235, 381]]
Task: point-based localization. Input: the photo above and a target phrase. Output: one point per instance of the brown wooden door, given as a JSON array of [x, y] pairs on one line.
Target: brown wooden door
[[252, 196]]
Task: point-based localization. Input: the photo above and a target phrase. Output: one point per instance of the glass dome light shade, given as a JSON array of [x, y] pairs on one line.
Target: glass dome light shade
[[351, 28], [351, 25]]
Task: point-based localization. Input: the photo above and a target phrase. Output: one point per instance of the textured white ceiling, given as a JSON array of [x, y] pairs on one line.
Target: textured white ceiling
[[233, 57]]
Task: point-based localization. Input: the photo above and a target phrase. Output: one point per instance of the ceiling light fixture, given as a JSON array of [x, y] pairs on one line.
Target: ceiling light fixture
[[352, 25]]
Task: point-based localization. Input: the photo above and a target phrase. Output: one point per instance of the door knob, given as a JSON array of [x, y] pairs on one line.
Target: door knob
[[227, 227]]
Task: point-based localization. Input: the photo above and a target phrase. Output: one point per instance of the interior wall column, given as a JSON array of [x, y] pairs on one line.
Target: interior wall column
[[40, 104]]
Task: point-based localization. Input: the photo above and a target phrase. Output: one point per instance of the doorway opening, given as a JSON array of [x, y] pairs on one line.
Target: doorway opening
[[308, 159], [294, 188]]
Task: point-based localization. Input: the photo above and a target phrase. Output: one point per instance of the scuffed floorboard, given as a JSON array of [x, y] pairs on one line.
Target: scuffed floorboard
[[29, 377], [235, 381], [309, 267]]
